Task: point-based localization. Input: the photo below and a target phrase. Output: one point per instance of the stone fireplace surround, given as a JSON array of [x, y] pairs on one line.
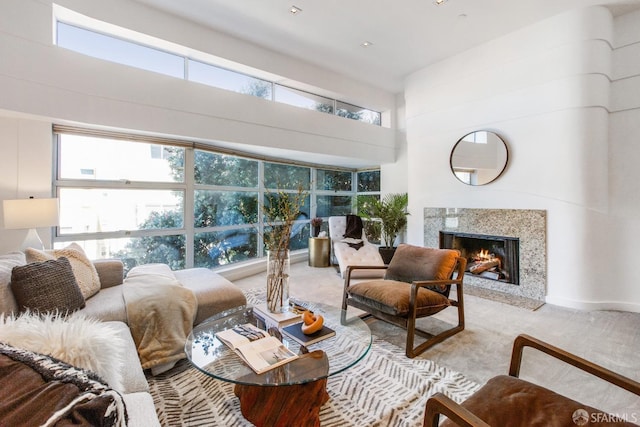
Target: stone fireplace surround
[[529, 225]]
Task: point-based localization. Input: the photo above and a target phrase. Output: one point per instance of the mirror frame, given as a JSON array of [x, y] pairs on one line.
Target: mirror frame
[[498, 174]]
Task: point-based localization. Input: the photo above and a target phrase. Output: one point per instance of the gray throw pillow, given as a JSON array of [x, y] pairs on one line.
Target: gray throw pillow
[[47, 286]]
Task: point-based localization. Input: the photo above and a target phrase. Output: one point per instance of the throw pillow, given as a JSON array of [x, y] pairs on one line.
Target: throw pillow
[[77, 340], [48, 286], [7, 262], [83, 269]]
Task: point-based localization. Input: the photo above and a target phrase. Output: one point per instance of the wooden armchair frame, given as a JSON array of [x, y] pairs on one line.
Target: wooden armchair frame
[[439, 404], [409, 322]]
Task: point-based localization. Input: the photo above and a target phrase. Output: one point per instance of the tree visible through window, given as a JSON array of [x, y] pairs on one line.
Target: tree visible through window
[[133, 204]]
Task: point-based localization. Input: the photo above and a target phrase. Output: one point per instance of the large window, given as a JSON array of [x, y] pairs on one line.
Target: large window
[[131, 53], [369, 191], [146, 202]]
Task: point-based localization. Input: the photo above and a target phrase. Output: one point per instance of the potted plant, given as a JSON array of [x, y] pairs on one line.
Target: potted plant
[[316, 223], [392, 213]]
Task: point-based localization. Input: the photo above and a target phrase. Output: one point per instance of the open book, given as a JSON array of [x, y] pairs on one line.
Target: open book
[[256, 347]]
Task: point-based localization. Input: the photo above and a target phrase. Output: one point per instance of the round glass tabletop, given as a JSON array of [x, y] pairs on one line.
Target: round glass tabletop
[[350, 344]]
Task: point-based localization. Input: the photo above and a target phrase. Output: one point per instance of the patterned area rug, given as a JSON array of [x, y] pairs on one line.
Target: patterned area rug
[[384, 389]]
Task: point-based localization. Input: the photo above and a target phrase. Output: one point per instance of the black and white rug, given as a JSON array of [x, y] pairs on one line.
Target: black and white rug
[[384, 389]]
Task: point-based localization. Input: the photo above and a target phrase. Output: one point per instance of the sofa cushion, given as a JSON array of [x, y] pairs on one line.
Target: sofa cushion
[[110, 272], [213, 292], [107, 305], [8, 303], [84, 270], [133, 379], [46, 286], [141, 410]]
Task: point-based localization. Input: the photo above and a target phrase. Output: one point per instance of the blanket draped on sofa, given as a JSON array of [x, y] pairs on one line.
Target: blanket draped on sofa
[[36, 389], [160, 314]]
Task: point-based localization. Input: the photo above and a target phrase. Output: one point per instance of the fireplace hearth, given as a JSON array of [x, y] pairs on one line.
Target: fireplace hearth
[[488, 257]]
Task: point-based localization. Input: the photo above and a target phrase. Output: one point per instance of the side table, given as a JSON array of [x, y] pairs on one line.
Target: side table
[[319, 251]]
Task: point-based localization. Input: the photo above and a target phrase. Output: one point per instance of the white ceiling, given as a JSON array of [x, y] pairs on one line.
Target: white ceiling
[[407, 35]]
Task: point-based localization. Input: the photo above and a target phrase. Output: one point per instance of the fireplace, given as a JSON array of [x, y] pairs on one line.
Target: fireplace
[[529, 225], [488, 257]]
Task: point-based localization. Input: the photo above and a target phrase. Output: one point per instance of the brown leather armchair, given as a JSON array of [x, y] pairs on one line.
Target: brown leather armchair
[[416, 284], [507, 400]]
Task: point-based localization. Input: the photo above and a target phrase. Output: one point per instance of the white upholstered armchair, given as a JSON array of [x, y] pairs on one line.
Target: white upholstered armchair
[[347, 250]]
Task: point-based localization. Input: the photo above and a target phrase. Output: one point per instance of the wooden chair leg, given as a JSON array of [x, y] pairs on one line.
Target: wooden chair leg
[[412, 351]]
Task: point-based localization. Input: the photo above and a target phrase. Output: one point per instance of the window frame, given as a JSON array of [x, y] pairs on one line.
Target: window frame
[[189, 188]]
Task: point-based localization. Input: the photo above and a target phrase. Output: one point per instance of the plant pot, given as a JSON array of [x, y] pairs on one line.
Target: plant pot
[[278, 264], [386, 253]]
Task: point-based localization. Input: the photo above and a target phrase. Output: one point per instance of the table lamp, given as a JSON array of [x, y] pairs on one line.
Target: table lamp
[[30, 214]]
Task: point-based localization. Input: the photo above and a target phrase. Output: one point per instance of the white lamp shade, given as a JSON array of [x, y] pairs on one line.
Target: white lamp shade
[[30, 213]]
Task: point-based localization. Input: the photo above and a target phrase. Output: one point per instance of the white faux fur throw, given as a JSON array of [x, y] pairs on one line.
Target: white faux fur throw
[[82, 342], [160, 313]]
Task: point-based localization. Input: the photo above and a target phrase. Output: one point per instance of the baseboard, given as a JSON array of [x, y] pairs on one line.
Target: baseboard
[[593, 305], [257, 266]]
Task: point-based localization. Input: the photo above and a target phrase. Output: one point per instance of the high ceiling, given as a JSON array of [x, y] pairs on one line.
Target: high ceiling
[[406, 35]]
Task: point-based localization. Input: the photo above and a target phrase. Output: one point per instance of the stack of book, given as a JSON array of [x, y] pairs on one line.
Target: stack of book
[[290, 323], [275, 320], [294, 332]]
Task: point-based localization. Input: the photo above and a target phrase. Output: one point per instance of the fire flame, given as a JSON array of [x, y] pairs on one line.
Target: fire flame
[[484, 255]]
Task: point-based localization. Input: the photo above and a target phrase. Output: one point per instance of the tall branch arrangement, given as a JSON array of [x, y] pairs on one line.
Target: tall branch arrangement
[[280, 210]]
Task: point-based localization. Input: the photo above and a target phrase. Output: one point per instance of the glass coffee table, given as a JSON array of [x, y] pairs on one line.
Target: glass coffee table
[[291, 394]]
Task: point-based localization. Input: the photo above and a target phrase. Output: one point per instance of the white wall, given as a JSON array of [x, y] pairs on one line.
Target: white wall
[[25, 170], [548, 90], [41, 79], [41, 84]]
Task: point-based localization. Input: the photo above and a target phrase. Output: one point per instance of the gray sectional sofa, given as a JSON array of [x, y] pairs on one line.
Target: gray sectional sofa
[[213, 292]]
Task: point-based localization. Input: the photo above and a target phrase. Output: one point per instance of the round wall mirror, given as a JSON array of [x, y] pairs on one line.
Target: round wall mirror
[[479, 157]]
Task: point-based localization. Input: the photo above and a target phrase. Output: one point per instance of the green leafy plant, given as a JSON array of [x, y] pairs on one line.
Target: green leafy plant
[[392, 213]]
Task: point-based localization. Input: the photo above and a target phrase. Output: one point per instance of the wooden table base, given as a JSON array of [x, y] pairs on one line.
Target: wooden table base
[[291, 405], [288, 405]]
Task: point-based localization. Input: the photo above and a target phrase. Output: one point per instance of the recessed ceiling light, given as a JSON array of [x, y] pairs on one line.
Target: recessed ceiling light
[[439, 2], [365, 44], [295, 9]]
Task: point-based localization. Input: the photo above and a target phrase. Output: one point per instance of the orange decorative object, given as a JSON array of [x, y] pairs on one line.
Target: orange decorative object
[[311, 322]]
